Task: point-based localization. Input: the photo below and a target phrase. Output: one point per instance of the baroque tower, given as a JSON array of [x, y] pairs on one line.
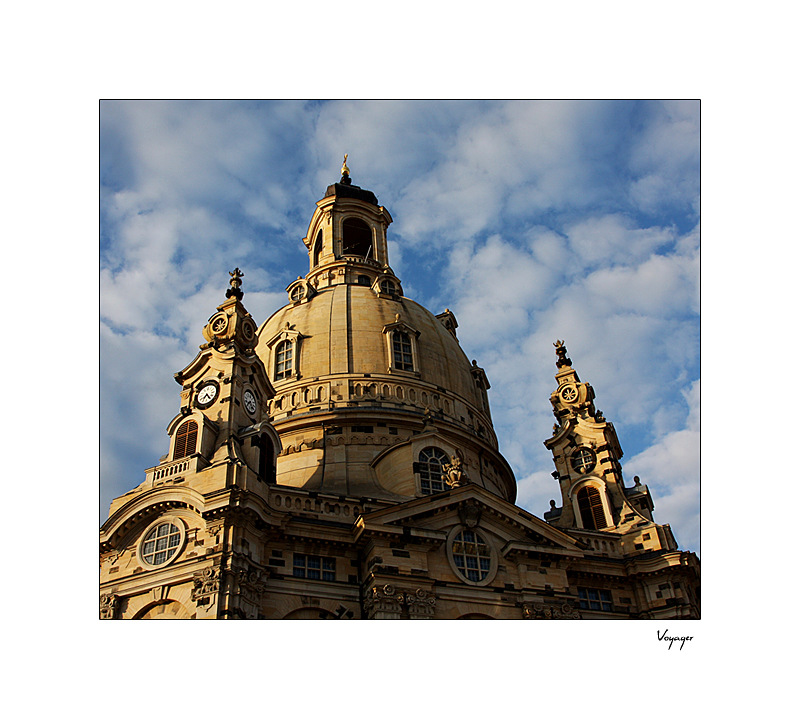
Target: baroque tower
[[339, 461]]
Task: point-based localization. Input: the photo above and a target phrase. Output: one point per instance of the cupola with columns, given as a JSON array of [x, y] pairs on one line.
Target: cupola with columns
[[346, 241]]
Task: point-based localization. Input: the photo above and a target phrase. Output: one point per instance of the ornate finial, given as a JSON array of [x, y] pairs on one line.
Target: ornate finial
[[345, 171], [561, 352], [236, 283]]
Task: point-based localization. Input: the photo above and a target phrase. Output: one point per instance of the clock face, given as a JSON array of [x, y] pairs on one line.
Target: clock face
[[207, 394], [569, 394], [249, 401]]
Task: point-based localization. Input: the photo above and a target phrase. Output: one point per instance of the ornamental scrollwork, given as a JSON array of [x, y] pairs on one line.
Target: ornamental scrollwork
[[539, 610]]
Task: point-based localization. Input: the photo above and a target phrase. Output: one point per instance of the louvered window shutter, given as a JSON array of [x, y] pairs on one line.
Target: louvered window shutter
[[186, 440], [591, 508]]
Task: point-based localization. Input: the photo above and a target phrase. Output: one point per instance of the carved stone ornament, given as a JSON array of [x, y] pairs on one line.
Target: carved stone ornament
[[387, 602], [108, 605], [538, 610], [469, 514], [420, 604], [382, 603], [250, 583], [454, 474], [206, 583]]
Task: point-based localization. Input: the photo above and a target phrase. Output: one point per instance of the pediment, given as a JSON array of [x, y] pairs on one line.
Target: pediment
[[431, 518]]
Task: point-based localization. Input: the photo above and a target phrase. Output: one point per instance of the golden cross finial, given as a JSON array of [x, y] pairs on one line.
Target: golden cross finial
[[345, 168]]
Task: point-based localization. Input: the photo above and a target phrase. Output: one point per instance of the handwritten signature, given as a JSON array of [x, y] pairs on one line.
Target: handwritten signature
[[665, 638]]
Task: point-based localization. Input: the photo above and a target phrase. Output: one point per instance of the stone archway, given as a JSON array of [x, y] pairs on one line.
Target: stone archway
[[164, 610]]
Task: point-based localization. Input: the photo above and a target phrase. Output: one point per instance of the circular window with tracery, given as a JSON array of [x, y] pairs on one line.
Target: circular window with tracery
[[471, 555], [161, 543]]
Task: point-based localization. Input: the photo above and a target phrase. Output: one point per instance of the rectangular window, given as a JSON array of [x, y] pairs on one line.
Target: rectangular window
[[308, 567], [597, 599], [283, 360], [403, 359]]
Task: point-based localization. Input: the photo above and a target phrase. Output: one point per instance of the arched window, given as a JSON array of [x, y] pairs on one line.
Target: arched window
[[357, 238], [401, 348], [283, 360], [591, 507], [431, 461], [185, 440], [318, 248]]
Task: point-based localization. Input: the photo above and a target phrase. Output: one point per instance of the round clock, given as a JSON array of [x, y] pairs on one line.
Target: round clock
[[247, 330], [207, 394], [250, 403]]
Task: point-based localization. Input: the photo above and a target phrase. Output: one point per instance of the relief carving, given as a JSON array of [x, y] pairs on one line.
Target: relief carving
[[206, 584], [108, 605]]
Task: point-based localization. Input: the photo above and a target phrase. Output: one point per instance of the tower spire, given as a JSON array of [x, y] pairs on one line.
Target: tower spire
[[345, 171], [236, 284]]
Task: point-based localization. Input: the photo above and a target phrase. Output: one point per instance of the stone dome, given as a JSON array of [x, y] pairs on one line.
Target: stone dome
[[373, 391]]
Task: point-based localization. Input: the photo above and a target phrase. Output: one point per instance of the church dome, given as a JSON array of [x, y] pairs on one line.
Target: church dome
[[374, 395]]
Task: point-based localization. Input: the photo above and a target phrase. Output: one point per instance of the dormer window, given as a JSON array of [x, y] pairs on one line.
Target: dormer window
[[388, 287], [297, 293], [283, 360], [401, 347]]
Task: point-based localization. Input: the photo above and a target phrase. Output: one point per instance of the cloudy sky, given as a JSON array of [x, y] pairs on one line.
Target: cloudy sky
[[531, 221]]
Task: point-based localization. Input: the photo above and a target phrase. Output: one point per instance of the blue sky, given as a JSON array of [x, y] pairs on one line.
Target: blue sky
[[531, 221]]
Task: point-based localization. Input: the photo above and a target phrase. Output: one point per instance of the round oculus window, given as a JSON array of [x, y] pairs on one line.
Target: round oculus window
[[471, 555], [583, 460], [161, 543]]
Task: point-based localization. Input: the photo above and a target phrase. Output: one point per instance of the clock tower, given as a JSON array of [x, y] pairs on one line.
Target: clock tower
[[586, 452], [179, 544]]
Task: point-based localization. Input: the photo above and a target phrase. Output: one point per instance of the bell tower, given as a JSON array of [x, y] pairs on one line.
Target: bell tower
[[587, 453]]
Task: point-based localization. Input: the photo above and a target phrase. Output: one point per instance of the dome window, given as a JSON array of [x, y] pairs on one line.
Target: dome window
[[283, 360], [401, 347], [297, 293], [388, 287], [363, 280], [357, 238]]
